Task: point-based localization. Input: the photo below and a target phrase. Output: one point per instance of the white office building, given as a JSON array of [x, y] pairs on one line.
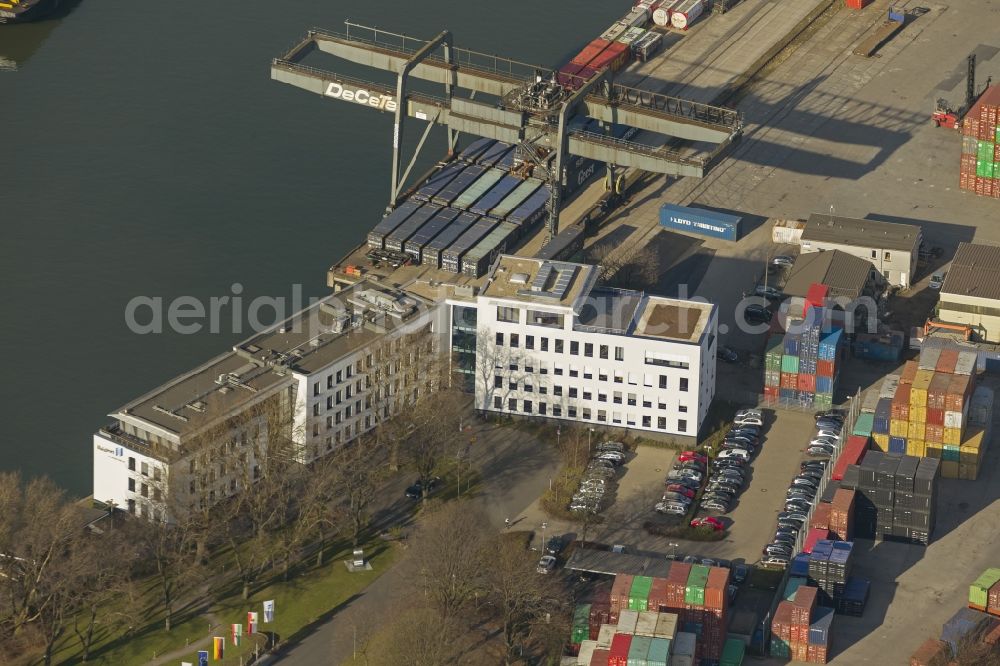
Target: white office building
[[892, 248], [550, 343], [323, 377]]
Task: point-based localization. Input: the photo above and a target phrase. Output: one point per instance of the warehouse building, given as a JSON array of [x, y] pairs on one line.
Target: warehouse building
[[970, 294], [553, 344], [854, 287], [891, 247]]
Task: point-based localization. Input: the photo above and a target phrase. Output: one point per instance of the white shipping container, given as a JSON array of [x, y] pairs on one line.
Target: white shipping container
[[605, 635], [787, 232], [966, 364], [666, 626], [627, 620], [637, 18], [889, 386], [586, 652], [614, 32], [686, 13], [953, 419], [662, 14], [646, 625]]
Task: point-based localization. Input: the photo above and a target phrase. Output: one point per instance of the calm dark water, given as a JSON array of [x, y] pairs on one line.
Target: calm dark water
[[145, 151]]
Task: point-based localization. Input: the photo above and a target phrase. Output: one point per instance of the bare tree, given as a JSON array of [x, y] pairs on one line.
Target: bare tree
[[627, 266], [168, 548], [421, 639], [105, 593], [357, 471]]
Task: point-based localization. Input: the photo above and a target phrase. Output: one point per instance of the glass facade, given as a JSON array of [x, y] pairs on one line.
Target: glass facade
[[463, 347]]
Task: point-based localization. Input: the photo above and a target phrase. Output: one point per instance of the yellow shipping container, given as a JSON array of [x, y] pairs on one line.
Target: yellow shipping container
[[949, 469], [932, 450], [968, 472], [881, 441], [918, 414], [953, 436], [974, 439], [899, 428], [918, 392], [915, 447], [969, 456], [916, 430]]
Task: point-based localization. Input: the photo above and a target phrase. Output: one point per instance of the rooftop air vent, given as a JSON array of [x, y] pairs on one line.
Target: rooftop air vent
[[519, 278]]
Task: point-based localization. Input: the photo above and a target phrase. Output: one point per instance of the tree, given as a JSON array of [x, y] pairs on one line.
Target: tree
[[168, 550], [419, 638], [436, 421], [106, 591], [357, 472], [449, 554], [627, 266]]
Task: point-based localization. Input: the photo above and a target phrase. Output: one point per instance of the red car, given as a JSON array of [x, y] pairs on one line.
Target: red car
[[692, 455], [678, 488], [708, 521]]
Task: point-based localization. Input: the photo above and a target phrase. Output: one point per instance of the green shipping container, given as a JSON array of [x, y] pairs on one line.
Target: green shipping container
[[979, 590], [773, 362], [985, 150], [863, 426], [823, 401], [639, 650], [732, 652], [779, 648], [694, 593], [639, 594], [794, 583], [985, 169], [659, 652], [998, 134], [581, 623], [950, 453], [789, 363]]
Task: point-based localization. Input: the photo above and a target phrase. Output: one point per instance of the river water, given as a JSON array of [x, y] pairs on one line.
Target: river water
[[146, 153]]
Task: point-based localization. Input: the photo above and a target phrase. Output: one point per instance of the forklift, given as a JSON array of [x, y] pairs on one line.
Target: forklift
[[944, 115]]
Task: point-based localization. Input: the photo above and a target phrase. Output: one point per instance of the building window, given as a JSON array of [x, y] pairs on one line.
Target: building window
[[548, 319], [602, 415], [559, 346], [586, 413], [874, 254], [648, 404], [145, 469], [661, 406], [661, 422], [647, 421], [316, 388], [529, 342], [528, 388], [887, 256], [603, 351], [512, 367], [543, 389], [573, 371], [497, 402], [509, 315], [556, 410], [515, 340], [557, 390], [663, 381], [512, 404], [498, 382], [541, 408], [618, 377], [602, 397], [588, 373], [617, 397], [682, 425], [571, 412], [316, 409], [156, 494], [144, 490], [682, 408], [544, 344], [631, 399], [499, 339], [619, 353], [574, 348], [527, 406], [340, 375], [572, 391], [586, 395], [131, 484], [558, 370], [588, 349], [616, 417], [131, 464], [684, 384]]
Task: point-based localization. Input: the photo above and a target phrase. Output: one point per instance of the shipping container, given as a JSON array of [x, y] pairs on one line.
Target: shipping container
[[415, 244], [639, 593], [450, 192], [586, 653], [516, 198], [646, 624], [531, 211], [980, 588], [931, 652], [659, 652], [694, 592], [431, 253], [394, 241], [475, 149], [662, 14], [666, 626], [618, 653], [438, 180], [961, 623], [614, 57], [495, 195], [451, 257], [627, 620], [820, 627], [478, 189], [700, 221], [492, 155], [685, 13], [717, 588], [391, 222], [594, 49]]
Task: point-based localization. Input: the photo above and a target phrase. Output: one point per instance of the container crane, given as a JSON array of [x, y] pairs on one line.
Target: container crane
[[944, 115]]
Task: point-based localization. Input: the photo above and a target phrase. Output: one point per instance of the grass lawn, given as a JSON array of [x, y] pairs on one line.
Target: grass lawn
[[311, 595]]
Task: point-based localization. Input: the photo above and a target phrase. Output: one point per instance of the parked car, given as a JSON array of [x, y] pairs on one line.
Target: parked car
[[679, 489], [740, 454], [804, 483], [749, 411], [780, 549], [555, 545], [740, 573], [546, 565], [830, 414], [688, 483], [813, 464], [774, 561], [715, 505], [783, 260], [757, 314], [820, 451], [937, 281], [833, 424], [676, 497], [786, 538], [709, 521], [770, 293], [728, 354], [692, 455], [611, 456], [616, 447], [671, 508], [421, 488], [828, 434], [797, 505], [793, 515]]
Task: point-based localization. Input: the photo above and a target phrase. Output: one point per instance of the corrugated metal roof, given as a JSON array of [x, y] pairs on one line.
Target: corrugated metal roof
[[844, 274], [822, 227], [975, 271]]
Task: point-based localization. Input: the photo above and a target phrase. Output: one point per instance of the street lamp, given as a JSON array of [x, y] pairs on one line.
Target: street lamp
[[544, 525], [673, 553]]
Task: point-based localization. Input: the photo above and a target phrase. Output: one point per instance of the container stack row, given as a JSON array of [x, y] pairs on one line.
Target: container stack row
[[886, 346], [975, 623], [896, 496], [801, 629], [850, 600], [980, 163], [679, 14], [984, 592], [801, 366]]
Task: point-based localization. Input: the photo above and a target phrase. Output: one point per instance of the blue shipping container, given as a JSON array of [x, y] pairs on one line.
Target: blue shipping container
[[824, 384], [857, 589], [960, 624], [897, 445], [819, 628], [700, 221], [800, 565]]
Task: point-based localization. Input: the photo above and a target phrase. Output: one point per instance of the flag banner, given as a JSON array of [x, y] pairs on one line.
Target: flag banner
[[269, 611], [202, 657], [218, 647], [237, 633], [251, 623]]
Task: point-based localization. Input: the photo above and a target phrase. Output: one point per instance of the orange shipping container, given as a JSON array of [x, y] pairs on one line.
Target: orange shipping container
[[619, 592], [677, 584], [825, 368], [821, 517], [934, 433], [946, 362], [937, 390], [909, 372], [901, 403], [958, 391], [932, 652], [716, 588], [935, 417]]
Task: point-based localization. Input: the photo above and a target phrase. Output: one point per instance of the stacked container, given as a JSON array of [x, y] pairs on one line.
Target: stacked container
[[984, 590], [841, 522], [829, 569], [852, 601], [581, 624], [800, 629], [801, 366], [639, 593], [980, 163], [620, 590], [895, 496]]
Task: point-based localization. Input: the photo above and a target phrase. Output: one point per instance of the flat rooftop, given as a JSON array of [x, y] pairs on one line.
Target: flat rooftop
[[609, 310], [825, 228], [673, 319], [539, 281]]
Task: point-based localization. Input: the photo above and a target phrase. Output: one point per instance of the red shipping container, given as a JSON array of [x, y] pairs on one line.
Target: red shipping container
[[816, 294], [842, 514], [814, 535], [909, 372], [590, 51], [618, 654], [826, 368], [566, 76], [821, 517], [856, 4], [901, 403], [804, 604], [800, 651], [816, 654], [930, 653], [854, 451], [677, 584], [807, 383], [934, 433], [789, 380], [601, 658], [771, 392], [959, 390], [993, 597], [716, 591], [657, 595], [620, 591], [947, 360], [615, 57], [935, 417]]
